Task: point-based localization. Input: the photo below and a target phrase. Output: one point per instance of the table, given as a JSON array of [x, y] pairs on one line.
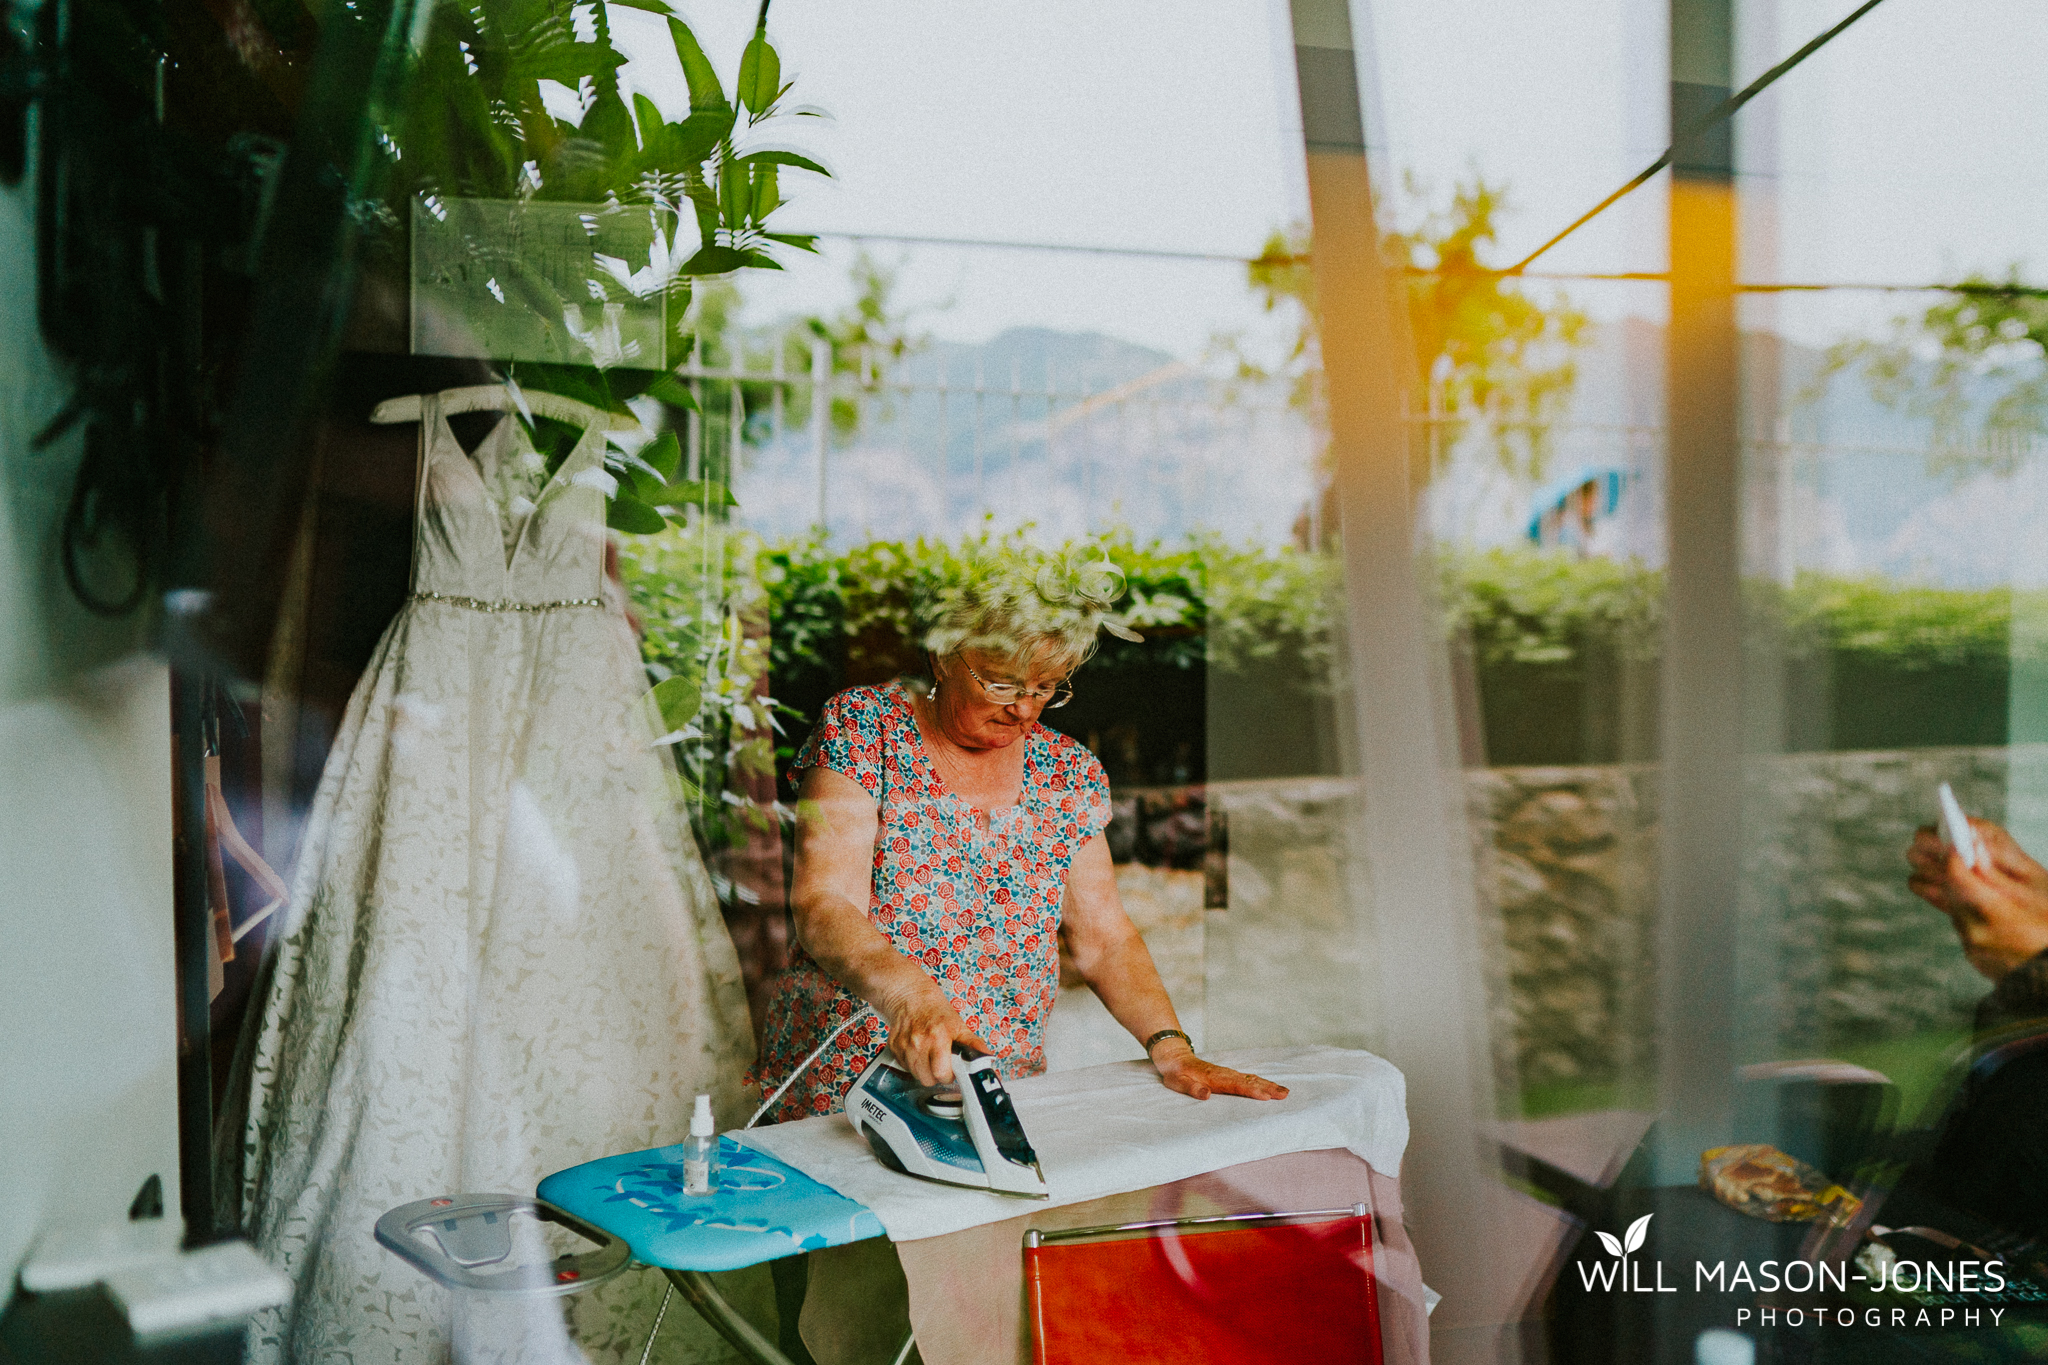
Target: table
[[86, 1327]]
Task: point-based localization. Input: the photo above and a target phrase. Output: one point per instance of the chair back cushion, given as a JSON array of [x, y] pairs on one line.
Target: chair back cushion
[[1290, 1292]]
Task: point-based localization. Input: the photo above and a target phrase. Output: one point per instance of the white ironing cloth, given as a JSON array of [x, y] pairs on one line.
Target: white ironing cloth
[[1109, 1129]]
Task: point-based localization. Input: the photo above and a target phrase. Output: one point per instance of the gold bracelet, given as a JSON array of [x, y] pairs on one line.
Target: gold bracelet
[[1164, 1034]]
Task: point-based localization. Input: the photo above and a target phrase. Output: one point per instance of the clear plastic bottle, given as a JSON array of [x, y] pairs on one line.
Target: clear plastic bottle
[[700, 1152]]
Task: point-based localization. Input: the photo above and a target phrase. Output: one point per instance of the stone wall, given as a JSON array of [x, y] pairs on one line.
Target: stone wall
[[1836, 949], [1288, 961], [1566, 858], [1166, 906]]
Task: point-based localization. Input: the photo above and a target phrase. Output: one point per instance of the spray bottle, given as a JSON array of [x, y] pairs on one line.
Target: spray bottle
[[700, 1152]]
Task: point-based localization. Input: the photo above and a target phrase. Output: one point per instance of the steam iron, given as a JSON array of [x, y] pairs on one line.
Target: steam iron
[[966, 1133]]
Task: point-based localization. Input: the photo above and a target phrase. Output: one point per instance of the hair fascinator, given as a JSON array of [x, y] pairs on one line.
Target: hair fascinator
[[1018, 599]]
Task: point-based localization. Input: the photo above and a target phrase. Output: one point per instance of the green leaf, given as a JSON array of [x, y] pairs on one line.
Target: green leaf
[[552, 53], [782, 158], [638, 462], [632, 516], [766, 195], [651, 6], [653, 127], [715, 260], [664, 453], [704, 202], [706, 94], [674, 392], [679, 699], [693, 493], [610, 125], [760, 73], [697, 136], [735, 194], [802, 241], [759, 260], [637, 480]]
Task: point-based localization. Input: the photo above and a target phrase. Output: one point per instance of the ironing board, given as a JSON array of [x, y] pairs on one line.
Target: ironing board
[[813, 1184], [1107, 1129], [761, 1210]]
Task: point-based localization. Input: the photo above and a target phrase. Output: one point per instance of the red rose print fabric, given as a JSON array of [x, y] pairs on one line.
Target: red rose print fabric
[[978, 906]]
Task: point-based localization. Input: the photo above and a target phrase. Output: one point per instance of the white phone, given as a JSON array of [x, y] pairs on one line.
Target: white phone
[[1955, 828]]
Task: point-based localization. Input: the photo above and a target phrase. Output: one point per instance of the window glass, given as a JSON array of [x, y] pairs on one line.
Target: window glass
[[1449, 552]]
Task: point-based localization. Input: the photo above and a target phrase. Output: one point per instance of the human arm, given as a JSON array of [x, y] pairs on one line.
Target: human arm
[[837, 823], [1105, 948], [2000, 912]]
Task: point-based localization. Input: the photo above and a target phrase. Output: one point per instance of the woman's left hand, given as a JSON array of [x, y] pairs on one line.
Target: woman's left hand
[[1190, 1075], [1111, 957]]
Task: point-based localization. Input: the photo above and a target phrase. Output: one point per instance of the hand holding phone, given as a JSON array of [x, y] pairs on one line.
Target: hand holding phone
[[1956, 831]]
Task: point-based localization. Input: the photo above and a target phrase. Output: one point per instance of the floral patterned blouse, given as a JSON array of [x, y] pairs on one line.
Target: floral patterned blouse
[[978, 904]]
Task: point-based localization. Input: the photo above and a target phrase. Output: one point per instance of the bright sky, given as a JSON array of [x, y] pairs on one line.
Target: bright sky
[[1899, 154], [1045, 122]]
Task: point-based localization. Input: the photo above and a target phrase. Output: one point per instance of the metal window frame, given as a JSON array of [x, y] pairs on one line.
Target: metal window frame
[[1034, 1237]]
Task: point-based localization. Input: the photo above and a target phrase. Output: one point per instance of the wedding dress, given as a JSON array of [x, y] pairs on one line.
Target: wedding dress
[[504, 955]]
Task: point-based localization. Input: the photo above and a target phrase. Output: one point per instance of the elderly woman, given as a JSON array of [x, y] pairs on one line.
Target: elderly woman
[[949, 844]]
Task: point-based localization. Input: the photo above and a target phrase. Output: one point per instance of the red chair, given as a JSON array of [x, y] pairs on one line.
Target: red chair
[[1288, 1291]]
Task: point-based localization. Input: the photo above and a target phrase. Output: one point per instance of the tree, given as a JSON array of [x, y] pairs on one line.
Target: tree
[[1483, 349], [702, 587], [476, 123], [866, 336], [1989, 338]]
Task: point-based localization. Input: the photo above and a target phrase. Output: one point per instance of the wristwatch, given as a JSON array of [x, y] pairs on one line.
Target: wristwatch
[[1164, 1034]]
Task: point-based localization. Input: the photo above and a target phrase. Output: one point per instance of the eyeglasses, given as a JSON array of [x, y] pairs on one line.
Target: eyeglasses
[[1008, 694]]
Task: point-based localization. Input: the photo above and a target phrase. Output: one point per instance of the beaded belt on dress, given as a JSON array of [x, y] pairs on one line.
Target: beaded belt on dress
[[479, 604]]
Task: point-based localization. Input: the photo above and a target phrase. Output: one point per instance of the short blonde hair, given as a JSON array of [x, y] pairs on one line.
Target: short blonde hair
[[1019, 604]]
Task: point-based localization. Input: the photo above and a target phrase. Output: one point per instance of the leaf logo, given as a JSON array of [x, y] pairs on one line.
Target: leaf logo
[[1632, 1240]]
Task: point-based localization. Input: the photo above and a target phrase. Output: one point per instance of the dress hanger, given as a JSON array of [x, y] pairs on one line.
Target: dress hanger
[[505, 397], [237, 847]]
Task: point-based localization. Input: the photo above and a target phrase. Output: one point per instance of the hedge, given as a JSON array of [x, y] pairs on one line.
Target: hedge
[[1559, 646]]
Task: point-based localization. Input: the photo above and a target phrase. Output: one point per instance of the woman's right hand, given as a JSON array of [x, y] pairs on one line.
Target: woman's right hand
[[923, 1026], [837, 825], [2000, 911]]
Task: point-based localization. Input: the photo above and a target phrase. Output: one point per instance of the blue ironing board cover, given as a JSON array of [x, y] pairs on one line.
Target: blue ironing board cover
[[761, 1210]]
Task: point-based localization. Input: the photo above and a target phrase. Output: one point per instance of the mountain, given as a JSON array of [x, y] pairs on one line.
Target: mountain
[[1835, 480], [1077, 431], [1065, 431]]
